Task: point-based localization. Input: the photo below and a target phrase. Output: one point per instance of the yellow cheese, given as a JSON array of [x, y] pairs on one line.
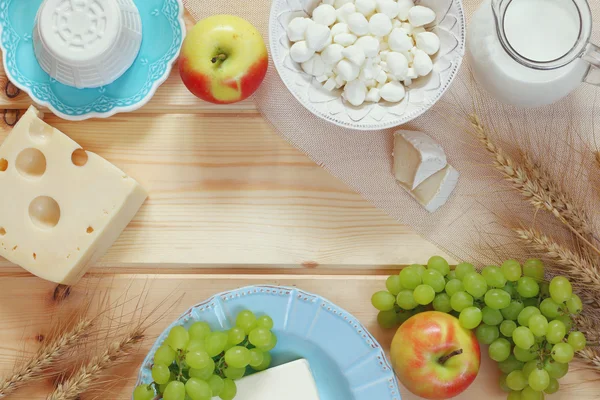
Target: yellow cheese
[[61, 208]]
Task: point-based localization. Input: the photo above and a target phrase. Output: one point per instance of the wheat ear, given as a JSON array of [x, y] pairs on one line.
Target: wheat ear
[[83, 378], [579, 267], [522, 180], [49, 353], [591, 356], [589, 327], [576, 216]]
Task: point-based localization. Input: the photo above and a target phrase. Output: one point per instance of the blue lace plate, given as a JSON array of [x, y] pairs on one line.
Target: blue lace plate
[[346, 360], [163, 32]]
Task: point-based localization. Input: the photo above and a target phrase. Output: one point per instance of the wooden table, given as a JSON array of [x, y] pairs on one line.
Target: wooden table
[[231, 204]]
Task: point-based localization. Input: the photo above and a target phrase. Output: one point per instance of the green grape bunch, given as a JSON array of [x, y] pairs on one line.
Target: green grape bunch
[[526, 321], [199, 364]]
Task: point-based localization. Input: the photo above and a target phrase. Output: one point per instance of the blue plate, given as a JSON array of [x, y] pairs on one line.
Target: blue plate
[[347, 362], [163, 31]]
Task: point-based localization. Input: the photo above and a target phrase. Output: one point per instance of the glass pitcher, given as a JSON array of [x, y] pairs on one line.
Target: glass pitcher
[[532, 52]]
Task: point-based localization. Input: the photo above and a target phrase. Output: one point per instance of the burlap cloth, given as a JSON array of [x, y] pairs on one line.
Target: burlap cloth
[[475, 223]]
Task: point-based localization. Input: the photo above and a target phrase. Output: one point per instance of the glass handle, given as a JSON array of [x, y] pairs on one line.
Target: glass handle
[[592, 56]]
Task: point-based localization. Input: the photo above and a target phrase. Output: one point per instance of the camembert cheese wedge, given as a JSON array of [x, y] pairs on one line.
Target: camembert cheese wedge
[[61, 207], [416, 157], [435, 191], [292, 381], [420, 166]]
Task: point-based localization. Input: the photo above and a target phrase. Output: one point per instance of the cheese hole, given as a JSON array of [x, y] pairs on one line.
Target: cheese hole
[[79, 157], [3, 164], [34, 256], [31, 163], [40, 131], [44, 212], [2, 231], [89, 229]]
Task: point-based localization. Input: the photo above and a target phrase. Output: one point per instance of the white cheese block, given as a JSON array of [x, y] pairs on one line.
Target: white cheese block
[[62, 207], [416, 157], [292, 381], [435, 191]]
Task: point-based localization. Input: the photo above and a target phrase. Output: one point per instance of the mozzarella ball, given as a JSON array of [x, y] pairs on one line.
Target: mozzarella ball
[[354, 54], [429, 42], [408, 28], [338, 28], [422, 62], [392, 92], [412, 74], [300, 52], [398, 65], [358, 24], [387, 7], [381, 77], [373, 95], [344, 12], [317, 37], [315, 66], [297, 28], [322, 78], [365, 7], [339, 81], [345, 39], [369, 45], [380, 25], [419, 16], [329, 85], [399, 40], [355, 92], [324, 15], [366, 74], [404, 7], [347, 70], [417, 30], [341, 3], [332, 54]]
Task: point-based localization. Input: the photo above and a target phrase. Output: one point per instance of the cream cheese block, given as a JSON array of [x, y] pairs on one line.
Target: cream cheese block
[[435, 191], [416, 157], [61, 207], [292, 381]]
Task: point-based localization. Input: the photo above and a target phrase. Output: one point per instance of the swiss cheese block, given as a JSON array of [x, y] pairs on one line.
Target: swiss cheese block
[[416, 157], [292, 381], [435, 191], [61, 207]]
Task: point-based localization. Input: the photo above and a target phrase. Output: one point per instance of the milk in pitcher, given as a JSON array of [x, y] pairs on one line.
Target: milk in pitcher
[[540, 31]]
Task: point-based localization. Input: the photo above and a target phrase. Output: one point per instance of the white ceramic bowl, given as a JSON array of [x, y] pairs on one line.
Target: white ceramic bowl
[[449, 26], [87, 43]]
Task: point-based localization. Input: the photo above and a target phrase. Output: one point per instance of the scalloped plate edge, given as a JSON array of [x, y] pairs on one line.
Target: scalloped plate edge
[[219, 298]]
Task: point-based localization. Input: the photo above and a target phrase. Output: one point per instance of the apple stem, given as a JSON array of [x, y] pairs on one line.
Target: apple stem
[[220, 57], [450, 355]]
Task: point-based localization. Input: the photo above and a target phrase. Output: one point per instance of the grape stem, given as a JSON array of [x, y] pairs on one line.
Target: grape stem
[[448, 356]]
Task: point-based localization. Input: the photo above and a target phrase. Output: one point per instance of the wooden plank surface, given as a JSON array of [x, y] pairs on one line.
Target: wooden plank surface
[[28, 306], [230, 191]]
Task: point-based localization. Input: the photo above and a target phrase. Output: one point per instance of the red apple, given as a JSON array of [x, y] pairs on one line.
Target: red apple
[[223, 59], [434, 357]]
